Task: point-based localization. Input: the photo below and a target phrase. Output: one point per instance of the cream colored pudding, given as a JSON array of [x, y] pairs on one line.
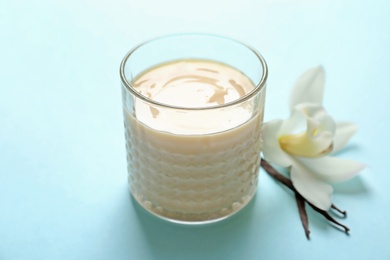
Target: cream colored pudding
[[195, 166]]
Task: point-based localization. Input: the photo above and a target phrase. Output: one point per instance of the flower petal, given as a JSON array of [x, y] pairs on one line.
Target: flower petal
[[316, 140], [309, 87], [271, 149], [318, 119], [296, 123], [332, 169], [311, 187], [344, 132]]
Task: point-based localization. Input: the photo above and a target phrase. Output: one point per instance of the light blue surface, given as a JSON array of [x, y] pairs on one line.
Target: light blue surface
[[63, 191]]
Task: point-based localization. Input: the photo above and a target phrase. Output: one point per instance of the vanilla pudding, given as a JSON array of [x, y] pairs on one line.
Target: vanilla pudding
[[193, 164]]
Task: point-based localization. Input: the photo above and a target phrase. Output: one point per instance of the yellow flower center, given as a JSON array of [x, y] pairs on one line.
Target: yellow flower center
[[302, 145]]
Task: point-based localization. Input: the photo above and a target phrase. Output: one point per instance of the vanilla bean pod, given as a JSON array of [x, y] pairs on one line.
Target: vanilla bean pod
[[274, 173], [302, 212], [329, 217], [299, 199], [342, 212]]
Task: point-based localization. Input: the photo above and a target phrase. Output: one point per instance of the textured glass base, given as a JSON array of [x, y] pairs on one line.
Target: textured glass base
[[193, 218], [185, 180]]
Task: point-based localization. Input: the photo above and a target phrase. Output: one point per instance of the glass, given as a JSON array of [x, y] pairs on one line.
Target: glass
[[193, 163]]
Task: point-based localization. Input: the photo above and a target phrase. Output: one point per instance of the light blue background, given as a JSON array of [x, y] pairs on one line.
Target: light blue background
[[63, 191]]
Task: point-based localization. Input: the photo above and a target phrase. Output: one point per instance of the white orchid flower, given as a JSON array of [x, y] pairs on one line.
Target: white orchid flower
[[305, 140]]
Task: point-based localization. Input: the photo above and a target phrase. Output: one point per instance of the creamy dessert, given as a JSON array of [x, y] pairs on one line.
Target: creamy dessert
[[193, 164]]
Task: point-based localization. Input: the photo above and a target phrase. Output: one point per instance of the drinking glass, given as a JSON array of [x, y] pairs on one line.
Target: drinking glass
[[209, 171]]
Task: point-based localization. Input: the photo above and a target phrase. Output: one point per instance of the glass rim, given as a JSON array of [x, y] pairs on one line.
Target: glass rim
[[258, 86]]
